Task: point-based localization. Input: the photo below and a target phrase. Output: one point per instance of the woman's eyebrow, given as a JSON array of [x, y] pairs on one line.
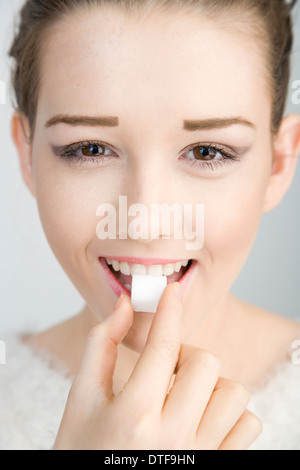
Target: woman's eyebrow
[[106, 121], [216, 123], [113, 121]]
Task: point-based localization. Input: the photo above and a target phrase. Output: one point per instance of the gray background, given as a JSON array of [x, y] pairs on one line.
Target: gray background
[[36, 293]]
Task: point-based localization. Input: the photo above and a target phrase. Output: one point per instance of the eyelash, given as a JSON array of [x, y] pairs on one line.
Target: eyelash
[[227, 157], [71, 153]]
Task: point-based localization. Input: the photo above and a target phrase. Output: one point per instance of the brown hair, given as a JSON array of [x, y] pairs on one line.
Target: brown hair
[[271, 22]]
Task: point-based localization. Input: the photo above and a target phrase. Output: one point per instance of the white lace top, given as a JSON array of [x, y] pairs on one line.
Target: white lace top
[[33, 397]]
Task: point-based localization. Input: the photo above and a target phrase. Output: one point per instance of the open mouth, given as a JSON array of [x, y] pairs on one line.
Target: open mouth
[[119, 273]]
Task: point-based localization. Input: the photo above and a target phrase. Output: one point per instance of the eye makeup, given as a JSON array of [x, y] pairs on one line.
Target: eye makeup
[[90, 152], [209, 156], [205, 157]]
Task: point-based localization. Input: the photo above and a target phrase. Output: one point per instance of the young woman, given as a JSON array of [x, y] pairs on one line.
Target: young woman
[[175, 102]]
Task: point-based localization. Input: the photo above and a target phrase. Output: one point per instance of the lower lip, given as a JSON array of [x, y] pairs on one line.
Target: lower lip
[[119, 289]]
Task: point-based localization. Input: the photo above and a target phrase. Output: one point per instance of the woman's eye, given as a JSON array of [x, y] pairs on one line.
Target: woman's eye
[[94, 150], [209, 157], [85, 152], [204, 157], [204, 153]]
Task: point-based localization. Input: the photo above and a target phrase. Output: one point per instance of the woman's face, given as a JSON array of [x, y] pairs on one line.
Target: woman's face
[[153, 75]]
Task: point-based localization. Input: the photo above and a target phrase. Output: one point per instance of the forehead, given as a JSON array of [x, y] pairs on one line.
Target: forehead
[[101, 61]]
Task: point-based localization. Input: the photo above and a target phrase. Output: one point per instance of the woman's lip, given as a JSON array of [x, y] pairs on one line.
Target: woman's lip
[[116, 286], [119, 288], [184, 281], [145, 261]]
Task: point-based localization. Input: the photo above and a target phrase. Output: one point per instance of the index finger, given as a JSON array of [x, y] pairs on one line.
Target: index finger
[[155, 367], [95, 374]]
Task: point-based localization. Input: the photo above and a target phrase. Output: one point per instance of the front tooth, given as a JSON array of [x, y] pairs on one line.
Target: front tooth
[[168, 269], [116, 265], [155, 270], [138, 269], [177, 267], [125, 268]]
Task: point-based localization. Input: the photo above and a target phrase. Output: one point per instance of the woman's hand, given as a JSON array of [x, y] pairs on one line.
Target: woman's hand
[[200, 411]]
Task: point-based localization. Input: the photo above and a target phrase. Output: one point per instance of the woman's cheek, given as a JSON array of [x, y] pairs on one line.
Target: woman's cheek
[[231, 225], [67, 202], [67, 210]]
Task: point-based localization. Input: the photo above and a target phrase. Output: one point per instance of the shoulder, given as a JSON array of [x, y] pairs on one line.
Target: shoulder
[[275, 321], [271, 333], [277, 403], [264, 339], [284, 331], [276, 397], [32, 397], [22, 360]]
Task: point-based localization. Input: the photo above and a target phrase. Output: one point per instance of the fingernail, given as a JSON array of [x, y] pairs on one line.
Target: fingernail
[[178, 290]]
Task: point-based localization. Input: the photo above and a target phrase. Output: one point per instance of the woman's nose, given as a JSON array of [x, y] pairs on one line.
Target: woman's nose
[[152, 203]]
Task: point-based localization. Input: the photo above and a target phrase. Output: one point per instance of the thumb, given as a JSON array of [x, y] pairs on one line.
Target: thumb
[[95, 375]]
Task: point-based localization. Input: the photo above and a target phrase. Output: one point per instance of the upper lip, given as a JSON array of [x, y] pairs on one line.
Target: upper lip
[[145, 261]]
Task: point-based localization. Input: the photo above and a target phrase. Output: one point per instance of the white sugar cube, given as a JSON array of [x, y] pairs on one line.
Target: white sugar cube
[[146, 292]]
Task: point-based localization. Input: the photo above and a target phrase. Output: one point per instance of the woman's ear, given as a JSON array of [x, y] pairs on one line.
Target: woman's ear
[[286, 152], [21, 135]]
